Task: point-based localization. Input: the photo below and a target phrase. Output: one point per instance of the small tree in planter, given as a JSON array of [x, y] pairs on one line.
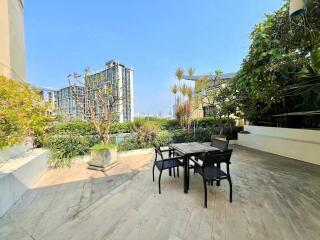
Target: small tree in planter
[[103, 100]]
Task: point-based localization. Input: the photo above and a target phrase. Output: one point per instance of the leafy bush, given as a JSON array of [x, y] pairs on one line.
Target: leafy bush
[[65, 147], [164, 138], [143, 138], [129, 144], [210, 122], [82, 128], [125, 127], [232, 132], [22, 112], [199, 135], [68, 140]]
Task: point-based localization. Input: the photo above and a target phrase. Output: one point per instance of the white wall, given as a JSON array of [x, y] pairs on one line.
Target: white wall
[[18, 175], [12, 43], [299, 144]]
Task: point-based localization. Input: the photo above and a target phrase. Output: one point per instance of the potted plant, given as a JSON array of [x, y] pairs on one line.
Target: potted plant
[[102, 156], [107, 96]]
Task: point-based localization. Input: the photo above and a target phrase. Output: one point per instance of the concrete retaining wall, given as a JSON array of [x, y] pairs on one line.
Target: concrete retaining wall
[[299, 144], [18, 175], [15, 151]]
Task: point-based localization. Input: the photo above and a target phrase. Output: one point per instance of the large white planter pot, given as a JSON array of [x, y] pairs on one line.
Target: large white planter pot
[[102, 159]]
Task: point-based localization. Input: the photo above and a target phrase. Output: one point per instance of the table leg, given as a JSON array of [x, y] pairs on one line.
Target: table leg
[[188, 172], [185, 174]]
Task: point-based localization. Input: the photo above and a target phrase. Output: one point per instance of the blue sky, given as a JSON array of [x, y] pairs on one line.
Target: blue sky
[[154, 37]]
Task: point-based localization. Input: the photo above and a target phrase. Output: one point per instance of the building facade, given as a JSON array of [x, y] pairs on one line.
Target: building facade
[[48, 96], [12, 42], [120, 78], [69, 102], [205, 111]]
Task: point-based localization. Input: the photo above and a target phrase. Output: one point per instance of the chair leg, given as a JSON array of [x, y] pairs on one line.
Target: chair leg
[[170, 173], [218, 179], [205, 193], [153, 172], [159, 182], [178, 171], [230, 189]]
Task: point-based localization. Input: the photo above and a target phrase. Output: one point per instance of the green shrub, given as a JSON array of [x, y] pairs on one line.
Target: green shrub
[[65, 147], [128, 144], [22, 112], [125, 127], [82, 128], [164, 138], [210, 122], [232, 132]]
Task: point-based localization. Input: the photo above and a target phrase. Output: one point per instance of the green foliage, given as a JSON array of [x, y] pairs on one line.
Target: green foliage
[[281, 71], [143, 138], [22, 112], [103, 147], [67, 140], [125, 127], [128, 127], [210, 122], [82, 128], [164, 138], [65, 147]]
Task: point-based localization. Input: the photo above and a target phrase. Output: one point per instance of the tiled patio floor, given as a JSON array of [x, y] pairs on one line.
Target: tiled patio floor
[[274, 198]]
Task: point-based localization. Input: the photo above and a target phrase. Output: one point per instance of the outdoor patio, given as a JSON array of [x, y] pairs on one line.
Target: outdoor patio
[[274, 198]]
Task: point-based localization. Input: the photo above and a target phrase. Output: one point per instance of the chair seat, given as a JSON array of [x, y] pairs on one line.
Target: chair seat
[[167, 163], [211, 173]]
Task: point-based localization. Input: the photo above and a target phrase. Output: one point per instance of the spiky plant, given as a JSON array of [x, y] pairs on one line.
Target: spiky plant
[[191, 71], [179, 73]]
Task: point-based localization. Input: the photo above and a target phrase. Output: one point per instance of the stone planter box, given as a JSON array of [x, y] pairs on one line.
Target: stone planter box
[[101, 160]]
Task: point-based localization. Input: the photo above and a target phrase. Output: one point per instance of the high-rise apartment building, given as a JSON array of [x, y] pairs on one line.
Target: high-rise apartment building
[[69, 103], [118, 76]]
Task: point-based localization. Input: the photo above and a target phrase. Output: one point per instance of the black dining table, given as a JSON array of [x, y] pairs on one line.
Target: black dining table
[[187, 150]]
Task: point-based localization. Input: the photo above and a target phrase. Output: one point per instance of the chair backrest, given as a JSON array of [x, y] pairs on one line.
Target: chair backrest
[[157, 150], [221, 144], [211, 158]]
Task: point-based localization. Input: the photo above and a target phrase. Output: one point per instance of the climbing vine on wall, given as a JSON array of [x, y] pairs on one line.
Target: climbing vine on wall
[[281, 73]]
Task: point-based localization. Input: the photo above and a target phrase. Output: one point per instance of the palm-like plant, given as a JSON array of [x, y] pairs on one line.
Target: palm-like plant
[[183, 90], [191, 71], [174, 89], [179, 73]]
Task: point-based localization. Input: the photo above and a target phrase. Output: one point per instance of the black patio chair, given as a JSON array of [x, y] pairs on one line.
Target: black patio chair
[[222, 145], [218, 143], [210, 172], [165, 163]]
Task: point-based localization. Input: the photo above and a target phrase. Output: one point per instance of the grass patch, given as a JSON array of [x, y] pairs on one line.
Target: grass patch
[[103, 147]]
